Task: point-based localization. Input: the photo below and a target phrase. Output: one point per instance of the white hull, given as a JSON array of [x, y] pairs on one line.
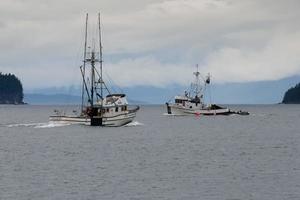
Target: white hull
[[180, 110], [120, 120], [99, 106], [117, 120]]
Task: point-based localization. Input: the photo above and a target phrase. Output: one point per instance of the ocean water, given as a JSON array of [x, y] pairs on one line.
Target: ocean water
[[156, 157]]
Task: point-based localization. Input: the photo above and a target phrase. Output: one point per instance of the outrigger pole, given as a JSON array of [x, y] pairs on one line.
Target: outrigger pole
[[84, 61], [92, 60], [101, 60]]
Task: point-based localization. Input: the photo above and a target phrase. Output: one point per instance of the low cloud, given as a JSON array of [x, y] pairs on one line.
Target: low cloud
[[148, 71], [152, 42], [276, 60]]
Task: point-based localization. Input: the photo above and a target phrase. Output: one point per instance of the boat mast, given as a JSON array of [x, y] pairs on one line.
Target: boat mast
[[84, 61], [197, 83], [92, 78], [101, 60]]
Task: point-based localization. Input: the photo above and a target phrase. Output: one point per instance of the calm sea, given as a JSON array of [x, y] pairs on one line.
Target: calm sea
[[156, 157]]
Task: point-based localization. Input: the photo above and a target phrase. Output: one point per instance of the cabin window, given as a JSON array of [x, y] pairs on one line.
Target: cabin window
[[178, 101], [123, 108], [117, 109], [107, 110]]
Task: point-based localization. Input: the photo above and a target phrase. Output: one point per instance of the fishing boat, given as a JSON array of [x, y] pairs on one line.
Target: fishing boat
[[99, 107], [192, 101]]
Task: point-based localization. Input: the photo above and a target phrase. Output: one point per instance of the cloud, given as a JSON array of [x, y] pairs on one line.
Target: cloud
[[276, 60], [151, 42], [148, 71], [34, 77]]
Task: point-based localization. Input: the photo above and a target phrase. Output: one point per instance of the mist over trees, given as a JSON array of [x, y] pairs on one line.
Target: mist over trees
[[292, 96], [11, 89]]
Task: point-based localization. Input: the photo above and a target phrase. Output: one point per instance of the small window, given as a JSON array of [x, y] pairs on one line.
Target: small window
[[117, 109], [107, 110], [125, 108], [178, 101]]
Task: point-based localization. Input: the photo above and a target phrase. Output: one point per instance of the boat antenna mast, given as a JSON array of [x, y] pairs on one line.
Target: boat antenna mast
[[82, 68], [101, 82], [97, 83], [101, 60], [197, 86], [92, 60]]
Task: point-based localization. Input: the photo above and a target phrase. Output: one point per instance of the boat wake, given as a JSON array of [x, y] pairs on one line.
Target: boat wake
[[38, 125], [167, 114], [135, 123], [52, 125], [58, 124]]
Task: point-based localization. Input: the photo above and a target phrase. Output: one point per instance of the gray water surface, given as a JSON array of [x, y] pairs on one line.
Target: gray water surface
[[161, 157]]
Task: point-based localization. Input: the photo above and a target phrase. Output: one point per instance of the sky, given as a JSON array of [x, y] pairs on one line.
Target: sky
[[151, 43]]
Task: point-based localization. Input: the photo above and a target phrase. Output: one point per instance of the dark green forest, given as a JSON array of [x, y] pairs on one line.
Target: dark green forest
[[11, 89], [292, 96]]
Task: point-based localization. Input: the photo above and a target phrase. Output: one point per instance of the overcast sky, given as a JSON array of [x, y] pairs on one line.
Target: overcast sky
[[151, 42]]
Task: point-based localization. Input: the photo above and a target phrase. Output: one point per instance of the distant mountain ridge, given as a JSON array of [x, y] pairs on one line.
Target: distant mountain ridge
[[261, 92], [60, 99], [292, 95], [52, 99]]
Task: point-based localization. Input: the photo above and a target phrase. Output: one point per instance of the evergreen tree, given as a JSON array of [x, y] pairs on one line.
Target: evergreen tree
[[11, 89], [292, 95]]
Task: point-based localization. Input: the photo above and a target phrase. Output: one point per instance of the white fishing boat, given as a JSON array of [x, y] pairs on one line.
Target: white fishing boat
[[99, 106], [192, 102]]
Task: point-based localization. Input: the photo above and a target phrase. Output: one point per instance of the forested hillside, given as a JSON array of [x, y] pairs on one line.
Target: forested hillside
[[11, 89], [292, 96]]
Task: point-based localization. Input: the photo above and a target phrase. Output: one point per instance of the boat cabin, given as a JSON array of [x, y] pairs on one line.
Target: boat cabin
[[114, 100], [181, 99]]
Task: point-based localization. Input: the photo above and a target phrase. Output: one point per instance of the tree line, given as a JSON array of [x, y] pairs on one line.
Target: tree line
[[292, 95], [11, 89]]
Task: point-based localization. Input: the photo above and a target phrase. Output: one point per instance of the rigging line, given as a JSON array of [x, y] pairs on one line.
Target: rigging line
[[111, 82], [210, 98], [170, 99], [103, 83], [78, 59], [115, 85], [82, 69], [114, 102], [73, 89], [173, 95], [85, 84], [101, 60]]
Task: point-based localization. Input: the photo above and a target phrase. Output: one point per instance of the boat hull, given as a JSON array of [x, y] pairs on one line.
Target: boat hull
[[180, 110], [113, 121], [70, 119]]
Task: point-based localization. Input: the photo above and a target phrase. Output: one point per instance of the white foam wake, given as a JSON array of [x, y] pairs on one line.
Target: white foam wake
[[38, 125], [52, 125], [23, 125], [134, 123], [167, 114]]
